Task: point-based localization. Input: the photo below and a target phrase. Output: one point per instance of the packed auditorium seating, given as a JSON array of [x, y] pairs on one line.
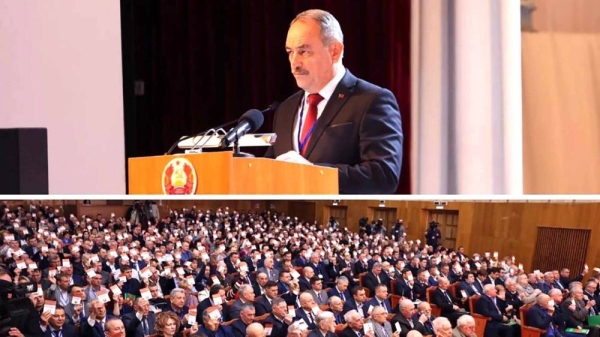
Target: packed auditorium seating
[[224, 273]]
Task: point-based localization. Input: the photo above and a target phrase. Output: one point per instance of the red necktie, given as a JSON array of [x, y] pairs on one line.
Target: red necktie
[[309, 122]]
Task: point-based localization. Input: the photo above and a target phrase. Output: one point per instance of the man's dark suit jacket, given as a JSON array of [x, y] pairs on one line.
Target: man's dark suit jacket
[[359, 268], [222, 331], [67, 330], [239, 328], [351, 305], [348, 332], [304, 284], [335, 292], [370, 281], [404, 324], [24, 317], [538, 317], [205, 304], [134, 327], [359, 132], [318, 334], [234, 311], [438, 298], [262, 306], [300, 314], [485, 306], [403, 289], [420, 290], [279, 328]]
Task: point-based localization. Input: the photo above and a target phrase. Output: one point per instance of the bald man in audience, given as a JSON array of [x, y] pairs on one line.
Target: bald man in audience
[[442, 327], [307, 274], [255, 330], [488, 307], [404, 318], [336, 305], [325, 325], [443, 299], [424, 326], [414, 333], [465, 327], [305, 312], [354, 325], [381, 326]]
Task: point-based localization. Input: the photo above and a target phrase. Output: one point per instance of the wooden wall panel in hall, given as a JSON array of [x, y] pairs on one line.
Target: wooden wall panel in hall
[[507, 227]]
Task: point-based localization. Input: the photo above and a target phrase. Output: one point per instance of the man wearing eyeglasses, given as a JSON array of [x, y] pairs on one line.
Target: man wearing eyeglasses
[[465, 327]]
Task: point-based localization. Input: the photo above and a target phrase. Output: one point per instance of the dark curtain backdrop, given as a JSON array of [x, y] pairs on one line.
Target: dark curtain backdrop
[[206, 62]]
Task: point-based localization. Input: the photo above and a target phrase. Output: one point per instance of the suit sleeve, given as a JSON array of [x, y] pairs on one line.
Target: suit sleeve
[[131, 324], [380, 150], [438, 300], [537, 319], [483, 308]]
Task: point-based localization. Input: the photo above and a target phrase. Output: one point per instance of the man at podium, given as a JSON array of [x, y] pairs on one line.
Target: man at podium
[[337, 119]]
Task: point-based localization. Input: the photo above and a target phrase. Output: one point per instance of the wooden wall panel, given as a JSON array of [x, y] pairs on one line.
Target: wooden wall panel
[[561, 247]]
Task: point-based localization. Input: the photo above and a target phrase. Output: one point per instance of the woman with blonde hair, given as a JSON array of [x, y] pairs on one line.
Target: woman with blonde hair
[[168, 324]]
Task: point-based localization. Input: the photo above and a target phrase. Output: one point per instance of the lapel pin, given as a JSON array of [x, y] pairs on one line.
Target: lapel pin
[[340, 95]]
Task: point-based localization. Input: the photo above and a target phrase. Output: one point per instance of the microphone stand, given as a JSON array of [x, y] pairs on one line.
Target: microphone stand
[[236, 150]]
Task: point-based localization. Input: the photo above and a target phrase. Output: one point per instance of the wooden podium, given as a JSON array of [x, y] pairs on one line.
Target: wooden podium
[[221, 173]]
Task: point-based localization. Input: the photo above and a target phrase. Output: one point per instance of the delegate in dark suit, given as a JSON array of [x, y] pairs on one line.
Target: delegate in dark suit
[[446, 303], [359, 132], [486, 307], [135, 328], [239, 328], [279, 328], [262, 306], [67, 330], [405, 324], [348, 332], [23, 317], [222, 331], [540, 318]]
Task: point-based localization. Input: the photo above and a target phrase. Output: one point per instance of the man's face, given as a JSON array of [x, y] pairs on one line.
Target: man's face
[[100, 310], [143, 306], [154, 291], [470, 278], [342, 286], [115, 328], [262, 279], [468, 329], [247, 315], [360, 296], [280, 310], [178, 300], [566, 273], [78, 292], [58, 319], [311, 62], [271, 292], [356, 324], [318, 285], [63, 282]]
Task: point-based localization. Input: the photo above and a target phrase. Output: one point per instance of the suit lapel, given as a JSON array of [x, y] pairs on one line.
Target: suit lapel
[[339, 97], [287, 120]]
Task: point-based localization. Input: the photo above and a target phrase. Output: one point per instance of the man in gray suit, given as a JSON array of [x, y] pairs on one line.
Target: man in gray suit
[[317, 291], [270, 270], [246, 296], [381, 326], [59, 290]]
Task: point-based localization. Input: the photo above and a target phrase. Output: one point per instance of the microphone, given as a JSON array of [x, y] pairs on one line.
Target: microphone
[[249, 122], [271, 107]]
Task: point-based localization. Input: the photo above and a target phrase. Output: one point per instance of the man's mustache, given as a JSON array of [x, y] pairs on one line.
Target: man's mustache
[[300, 72]]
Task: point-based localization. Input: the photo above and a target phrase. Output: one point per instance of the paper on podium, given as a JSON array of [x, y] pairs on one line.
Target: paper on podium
[[212, 141]]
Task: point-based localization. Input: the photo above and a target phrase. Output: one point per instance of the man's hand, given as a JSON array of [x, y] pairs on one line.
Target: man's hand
[[45, 317], [14, 332], [293, 157]]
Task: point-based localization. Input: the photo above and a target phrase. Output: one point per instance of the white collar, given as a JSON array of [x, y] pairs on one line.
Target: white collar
[[327, 91]]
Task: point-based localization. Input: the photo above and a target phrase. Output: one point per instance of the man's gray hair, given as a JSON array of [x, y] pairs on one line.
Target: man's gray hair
[[342, 279], [323, 316], [464, 320], [175, 291], [247, 306], [331, 31]]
